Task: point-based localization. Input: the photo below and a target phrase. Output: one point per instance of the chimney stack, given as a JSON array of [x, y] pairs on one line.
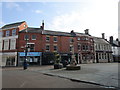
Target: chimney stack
[[103, 35], [111, 39], [87, 31], [42, 27]]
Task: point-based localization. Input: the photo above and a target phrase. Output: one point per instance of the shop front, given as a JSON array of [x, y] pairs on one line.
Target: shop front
[[9, 59], [33, 58]]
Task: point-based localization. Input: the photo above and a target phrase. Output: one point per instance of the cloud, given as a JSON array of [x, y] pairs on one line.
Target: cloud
[[94, 17], [1, 23], [13, 5], [38, 11]]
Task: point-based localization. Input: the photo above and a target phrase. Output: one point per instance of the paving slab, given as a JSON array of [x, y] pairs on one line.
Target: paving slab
[[105, 74]]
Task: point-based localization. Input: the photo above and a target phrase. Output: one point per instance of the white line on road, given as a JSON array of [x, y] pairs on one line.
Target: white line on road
[[22, 84]]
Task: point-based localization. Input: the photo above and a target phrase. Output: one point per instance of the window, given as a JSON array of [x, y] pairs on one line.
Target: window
[[78, 46], [0, 44], [1, 34], [55, 48], [47, 47], [47, 38], [55, 39], [71, 40], [70, 48], [26, 37], [31, 47], [86, 38], [83, 47], [33, 37], [7, 33], [12, 44], [6, 44], [78, 38], [14, 32]]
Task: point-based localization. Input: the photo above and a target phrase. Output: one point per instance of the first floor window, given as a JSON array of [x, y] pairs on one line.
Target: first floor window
[[6, 44], [33, 37], [12, 44], [26, 37], [47, 47]]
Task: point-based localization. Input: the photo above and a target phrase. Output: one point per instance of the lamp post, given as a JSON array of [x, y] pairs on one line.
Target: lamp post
[[26, 50]]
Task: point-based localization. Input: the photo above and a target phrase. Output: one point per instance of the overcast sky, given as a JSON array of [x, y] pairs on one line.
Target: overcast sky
[[99, 16]]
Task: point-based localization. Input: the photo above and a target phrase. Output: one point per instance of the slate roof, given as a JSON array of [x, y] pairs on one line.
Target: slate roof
[[32, 30], [12, 25], [46, 32], [58, 33], [100, 40]]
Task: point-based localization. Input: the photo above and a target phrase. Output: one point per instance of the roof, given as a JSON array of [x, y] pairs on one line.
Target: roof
[[58, 33], [32, 30], [100, 40], [51, 32], [12, 25]]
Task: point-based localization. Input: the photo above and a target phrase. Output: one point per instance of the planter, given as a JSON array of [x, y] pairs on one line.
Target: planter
[[70, 67], [58, 66]]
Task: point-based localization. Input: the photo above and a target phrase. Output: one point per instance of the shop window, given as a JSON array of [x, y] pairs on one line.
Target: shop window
[[33, 37]]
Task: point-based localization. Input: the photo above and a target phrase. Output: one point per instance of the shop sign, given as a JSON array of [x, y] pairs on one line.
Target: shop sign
[[30, 53]]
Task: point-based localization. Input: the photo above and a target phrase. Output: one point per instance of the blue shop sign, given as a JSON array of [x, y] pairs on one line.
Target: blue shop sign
[[30, 53]]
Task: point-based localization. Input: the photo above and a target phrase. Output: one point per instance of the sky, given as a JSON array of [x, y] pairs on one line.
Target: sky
[[99, 16]]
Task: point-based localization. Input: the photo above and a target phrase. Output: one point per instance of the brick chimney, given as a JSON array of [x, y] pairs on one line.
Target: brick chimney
[[86, 31], [103, 35], [111, 39], [42, 27]]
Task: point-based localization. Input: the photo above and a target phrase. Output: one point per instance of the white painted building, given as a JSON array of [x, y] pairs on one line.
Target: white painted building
[[103, 50]]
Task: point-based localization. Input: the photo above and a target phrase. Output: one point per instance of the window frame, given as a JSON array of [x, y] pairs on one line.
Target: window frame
[[34, 38], [13, 32], [7, 33]]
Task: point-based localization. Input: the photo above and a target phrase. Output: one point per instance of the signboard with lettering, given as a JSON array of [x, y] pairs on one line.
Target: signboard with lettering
[[30, 53]]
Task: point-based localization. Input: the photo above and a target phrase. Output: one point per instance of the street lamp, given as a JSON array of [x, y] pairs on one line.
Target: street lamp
[[26, 50]]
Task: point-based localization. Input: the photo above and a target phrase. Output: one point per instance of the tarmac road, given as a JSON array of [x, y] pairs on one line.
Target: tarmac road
[[19, 78]]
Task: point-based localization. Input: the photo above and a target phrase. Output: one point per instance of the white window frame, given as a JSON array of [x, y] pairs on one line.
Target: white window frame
[[7, 33], [13, 32]]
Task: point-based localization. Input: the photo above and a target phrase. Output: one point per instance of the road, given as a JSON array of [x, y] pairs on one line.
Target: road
[[19, 78]]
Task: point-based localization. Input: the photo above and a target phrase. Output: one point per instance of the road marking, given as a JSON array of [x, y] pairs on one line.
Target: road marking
[[22, 84]]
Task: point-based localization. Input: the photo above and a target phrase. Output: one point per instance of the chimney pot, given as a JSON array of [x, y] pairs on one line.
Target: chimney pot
[[86, 31], [103, 35]]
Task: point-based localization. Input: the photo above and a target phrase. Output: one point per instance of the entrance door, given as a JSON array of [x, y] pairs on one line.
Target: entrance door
[[97, 60]]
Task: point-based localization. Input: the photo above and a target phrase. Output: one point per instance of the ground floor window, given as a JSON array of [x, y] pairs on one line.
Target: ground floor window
[[10, 61]]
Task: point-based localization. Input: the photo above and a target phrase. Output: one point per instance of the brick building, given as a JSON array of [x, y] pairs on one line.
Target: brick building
[[42, 43], [9, 41]]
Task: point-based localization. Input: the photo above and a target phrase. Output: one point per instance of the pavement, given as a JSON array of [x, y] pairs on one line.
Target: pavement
[[102, 74]]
